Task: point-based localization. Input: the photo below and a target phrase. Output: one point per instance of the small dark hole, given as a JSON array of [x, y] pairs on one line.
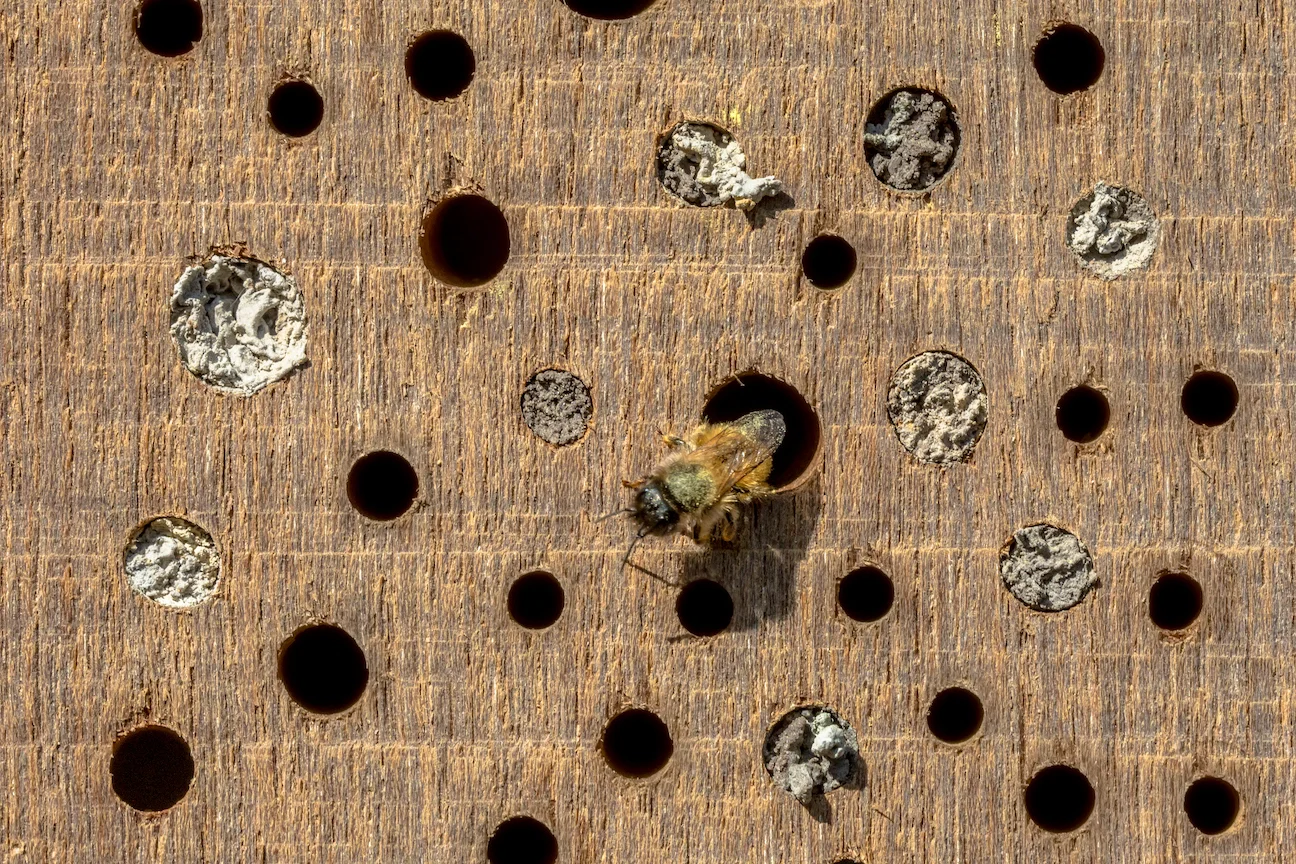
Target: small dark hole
[[1212, 805], [440, 64], [1069, 58], [865, 594], [382, 485], [955, 715], [536, 600], [609, 10], [1209, 398], [704, 607], [636, 743], [1083, 414], [151, 768], [464, 241], [522, 840], [169, 28], [1059, 798], [751, 391], [828, 261], [1174, 601], [323, 669], [296, 108]]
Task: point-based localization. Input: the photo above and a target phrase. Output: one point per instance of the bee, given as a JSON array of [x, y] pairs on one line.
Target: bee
[[700, 488]]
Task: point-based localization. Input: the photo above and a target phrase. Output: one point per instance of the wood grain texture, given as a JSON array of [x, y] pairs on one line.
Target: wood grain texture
[[116, 165]]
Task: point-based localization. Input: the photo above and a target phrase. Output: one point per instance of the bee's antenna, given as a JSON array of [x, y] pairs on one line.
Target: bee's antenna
[[610, 515], [626, 562]]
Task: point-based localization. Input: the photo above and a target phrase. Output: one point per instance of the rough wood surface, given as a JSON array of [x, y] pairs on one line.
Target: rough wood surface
[[116, 165]]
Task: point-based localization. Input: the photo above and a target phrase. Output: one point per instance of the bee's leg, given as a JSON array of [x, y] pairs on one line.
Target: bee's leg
[[672, 441], [729, 526]]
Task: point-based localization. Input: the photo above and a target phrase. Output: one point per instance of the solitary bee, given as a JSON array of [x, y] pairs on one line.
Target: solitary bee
[[700, 488]]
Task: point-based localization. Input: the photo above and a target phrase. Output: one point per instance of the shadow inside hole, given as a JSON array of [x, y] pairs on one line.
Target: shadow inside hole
[[1068, 59], [1082, 414], [522, 840], [768, 209], [382, 485], [636, 743], [752, 391], [955, 715], [828, 261], [295, 108], [1059, 799], [1174, 601], [1212, 805], [169, 28], [464, 241], [1209, 398], [866, 594], [323, 668], [440, 65], [609, 10], [536, 600], [152, 768], [704, 608]]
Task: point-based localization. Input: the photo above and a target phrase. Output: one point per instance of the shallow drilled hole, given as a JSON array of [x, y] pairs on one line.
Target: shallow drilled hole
[[1209, 398], [865, 594], [1174, 601], [1059, 798], [752, 391], [522, 840], [610, 10], [382, 485], [704, 607], [636, 743], [536, 600], [1212, 805], [828, 261], [1068, 58], [151, 768], [296, 108], [1083, 414], [440, 64], [955, 715], [323, 669], [169, 28], [464, 241]]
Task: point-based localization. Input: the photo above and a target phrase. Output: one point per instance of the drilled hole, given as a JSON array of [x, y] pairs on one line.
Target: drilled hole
[[1068, 58], [536, 600], [955, 715], [464, 241], [1209, 398], [1083, 414], [1212, 805], [828, 261], [440, 64], [323, 669], [1059, 798], [911, 138], [610, 10], [751, 391], [382, 485], [704, 607], [811, 751], [296, 108], [865, 594], [938, 407], [556, 406], [1175, 601], [169, 28], [151, 768], [636, 743], [522, 840]]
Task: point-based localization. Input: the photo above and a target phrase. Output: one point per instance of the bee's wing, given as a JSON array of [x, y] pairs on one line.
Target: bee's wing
[[744, 449]]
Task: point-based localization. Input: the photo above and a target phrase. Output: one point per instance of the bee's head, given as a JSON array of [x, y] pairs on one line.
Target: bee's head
[[654, 509]]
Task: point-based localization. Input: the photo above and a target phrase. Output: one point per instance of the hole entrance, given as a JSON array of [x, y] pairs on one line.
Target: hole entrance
[[536, 600], [1068, 59], [828, 261], [464, 241], [636, 743], [1212, 805], [151, 768], [608, 10], [746, 392], [1059, 799], [865, 594], [1083, 414], [382, 485], [704, 607], [1174, 601], [911, 139], [440, 64], [1209, 398], [323, 669], [295, 108], [522, 840], [169, 28], [556, 406], [955, 715]]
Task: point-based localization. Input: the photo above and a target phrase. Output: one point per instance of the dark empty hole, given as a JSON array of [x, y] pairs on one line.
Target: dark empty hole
[[440, 64], [1209, 398], [1174, 601], [151, 768], [1083, 414], [169, 28], [464, 241], [536, 600], [704, 607], [636, 743], [955, 715], [1069, 58], [608, 9], [382, 485], [1212, 805], [865, 594], [828, 261], [296, 108], [522, 840], [751, 391], [1059, 798], [323, 669]]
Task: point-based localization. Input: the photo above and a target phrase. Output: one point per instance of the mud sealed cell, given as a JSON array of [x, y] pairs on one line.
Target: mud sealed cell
[[464, 240], [173, 562], [295, 108], [1082, 414], [382, 485], [1068, 58], [1174, 601], [1212, 805], [1209, 398], [911, 139], [797, 457], [556, 406], [828, 261], [169, 28], [1047, 568], [812, 751], [522, 840], [536, 600], [955, 715], [938, 407], [440, 64], [704, 166], [636, 743], [704, 607], [152, 768], [1112, 231], [323, 669], [1059, 799], [865, 594], [609, 10]]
